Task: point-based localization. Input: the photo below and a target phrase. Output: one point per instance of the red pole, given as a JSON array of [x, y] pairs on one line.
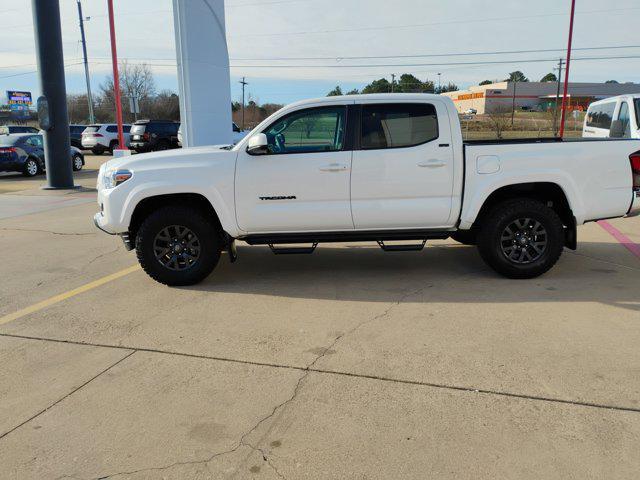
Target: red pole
[[566, 71], [116, 77]]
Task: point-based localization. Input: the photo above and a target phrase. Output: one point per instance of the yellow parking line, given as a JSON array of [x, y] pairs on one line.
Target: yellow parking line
[[63, 296]]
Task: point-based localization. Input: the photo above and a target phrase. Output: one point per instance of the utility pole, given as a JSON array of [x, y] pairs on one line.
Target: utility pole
[[555, 111], [393, 81], [243, 83], [116, 77], [52, 105], [566, 70], [92, 118], [513, 104], [439, 84]]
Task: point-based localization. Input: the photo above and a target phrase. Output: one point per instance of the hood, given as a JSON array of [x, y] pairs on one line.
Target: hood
[[162, 158]]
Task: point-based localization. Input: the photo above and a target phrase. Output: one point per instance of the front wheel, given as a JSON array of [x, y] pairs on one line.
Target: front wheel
[[178, 245], [521, 238]]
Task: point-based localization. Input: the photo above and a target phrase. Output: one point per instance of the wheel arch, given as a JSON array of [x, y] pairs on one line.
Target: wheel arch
[[549, 193], [150, 204]]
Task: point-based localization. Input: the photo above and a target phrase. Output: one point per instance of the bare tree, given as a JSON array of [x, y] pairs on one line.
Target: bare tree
[[136, 81], [500, 119]]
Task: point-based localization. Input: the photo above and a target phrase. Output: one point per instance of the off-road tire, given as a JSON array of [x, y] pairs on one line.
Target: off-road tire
[[209, 241], [500, 217]]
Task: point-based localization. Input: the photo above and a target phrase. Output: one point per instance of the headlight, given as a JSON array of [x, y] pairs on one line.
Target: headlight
[[113, 178]]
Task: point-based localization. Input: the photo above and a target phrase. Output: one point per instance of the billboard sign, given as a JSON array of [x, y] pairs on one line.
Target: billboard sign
[[19, 102], [16, 97]]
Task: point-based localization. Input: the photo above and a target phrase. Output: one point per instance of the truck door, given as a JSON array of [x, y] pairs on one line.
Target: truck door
[[403, 168], [302, 184]]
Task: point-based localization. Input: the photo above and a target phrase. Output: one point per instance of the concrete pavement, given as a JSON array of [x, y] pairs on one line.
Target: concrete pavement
[[349, 363]]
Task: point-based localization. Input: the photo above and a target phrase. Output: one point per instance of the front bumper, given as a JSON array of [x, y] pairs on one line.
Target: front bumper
[[126, 238], [634, 211]]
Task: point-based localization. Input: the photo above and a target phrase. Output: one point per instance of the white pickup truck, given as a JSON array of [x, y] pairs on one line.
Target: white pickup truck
[[365, 168]]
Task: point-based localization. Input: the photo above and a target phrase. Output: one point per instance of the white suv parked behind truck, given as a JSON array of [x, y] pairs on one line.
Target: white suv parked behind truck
[[615, 117], [101, 138], [365, 168]]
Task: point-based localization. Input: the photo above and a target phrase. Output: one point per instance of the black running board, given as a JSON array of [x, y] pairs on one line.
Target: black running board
[[346, 236], [292, 250], [416, 247]]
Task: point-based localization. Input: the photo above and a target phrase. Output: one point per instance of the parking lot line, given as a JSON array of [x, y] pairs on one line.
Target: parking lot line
[[63, 296], [621, 237]]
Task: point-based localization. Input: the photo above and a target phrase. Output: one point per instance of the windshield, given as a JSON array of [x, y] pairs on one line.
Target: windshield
[[91, 129], [137, 129]]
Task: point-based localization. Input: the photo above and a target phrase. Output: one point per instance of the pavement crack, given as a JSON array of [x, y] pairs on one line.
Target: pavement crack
[[110, 252], [6, 229], [67, 395]]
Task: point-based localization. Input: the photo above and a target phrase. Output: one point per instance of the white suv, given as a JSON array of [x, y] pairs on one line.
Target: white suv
[[103, 137]]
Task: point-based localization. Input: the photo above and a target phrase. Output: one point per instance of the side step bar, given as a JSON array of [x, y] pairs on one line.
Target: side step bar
[[416, 247], [293, 250]]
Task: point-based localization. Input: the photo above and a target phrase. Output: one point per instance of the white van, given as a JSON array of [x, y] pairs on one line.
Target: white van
[[615, 117]]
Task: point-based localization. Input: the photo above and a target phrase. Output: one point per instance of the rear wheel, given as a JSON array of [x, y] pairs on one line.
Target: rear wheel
[[77, 163], [178, 245], [521, 238], [31, 168], [114, 145]]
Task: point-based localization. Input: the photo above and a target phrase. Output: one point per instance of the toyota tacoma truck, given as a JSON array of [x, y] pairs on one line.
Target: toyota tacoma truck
[[377, 168]]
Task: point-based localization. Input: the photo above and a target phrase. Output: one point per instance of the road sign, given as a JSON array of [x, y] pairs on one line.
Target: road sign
[[134, 105]]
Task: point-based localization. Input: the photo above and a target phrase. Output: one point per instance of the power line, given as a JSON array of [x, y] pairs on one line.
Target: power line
[[36, 71], [493, 62], [419, 25], [427, 55]]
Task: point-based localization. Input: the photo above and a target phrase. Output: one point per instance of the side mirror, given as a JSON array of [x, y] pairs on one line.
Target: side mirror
[[617, 129], [258, 145]]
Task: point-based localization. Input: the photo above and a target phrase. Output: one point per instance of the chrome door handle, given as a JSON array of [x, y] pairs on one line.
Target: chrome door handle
[[334, 167], [433, 163]]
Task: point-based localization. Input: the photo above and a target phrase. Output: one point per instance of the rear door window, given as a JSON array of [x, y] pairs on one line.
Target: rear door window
[[395, 125], [138, 129], [601, 116]]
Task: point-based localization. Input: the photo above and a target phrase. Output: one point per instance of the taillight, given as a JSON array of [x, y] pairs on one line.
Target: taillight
[[8, 150], [145, 136], [98, 135], [634, 158]]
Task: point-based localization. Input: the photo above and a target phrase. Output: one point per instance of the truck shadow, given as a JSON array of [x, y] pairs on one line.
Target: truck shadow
[[440, 273]]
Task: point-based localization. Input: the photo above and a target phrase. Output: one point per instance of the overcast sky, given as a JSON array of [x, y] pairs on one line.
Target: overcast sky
[[336, 29]]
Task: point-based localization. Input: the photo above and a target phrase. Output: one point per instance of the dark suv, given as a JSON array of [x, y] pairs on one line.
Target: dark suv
[[153, 135], [75, 135]]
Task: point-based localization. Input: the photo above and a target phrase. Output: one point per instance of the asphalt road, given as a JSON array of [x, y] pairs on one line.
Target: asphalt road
[[348, 363]]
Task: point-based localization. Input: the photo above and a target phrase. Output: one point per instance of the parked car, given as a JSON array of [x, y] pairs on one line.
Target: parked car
[[24, 152], [101, 138], [237, 134], [615, 117], [75, 135], [7, 129], [471, 111], [154, 135], [366, 168]]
